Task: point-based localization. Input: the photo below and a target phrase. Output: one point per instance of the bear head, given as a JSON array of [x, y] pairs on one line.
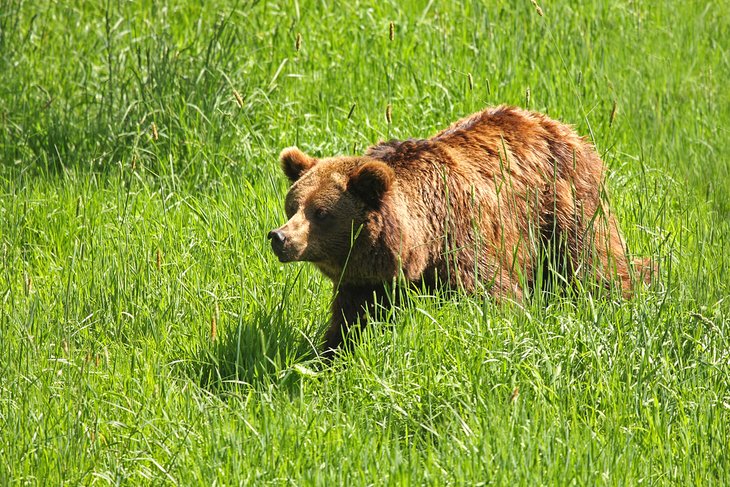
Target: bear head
[[337, 211]]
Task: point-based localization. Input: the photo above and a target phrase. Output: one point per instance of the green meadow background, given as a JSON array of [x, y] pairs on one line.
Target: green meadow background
[[149, 336]]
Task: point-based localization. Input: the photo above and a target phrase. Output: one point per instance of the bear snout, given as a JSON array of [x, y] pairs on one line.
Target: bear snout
[[278, 239]]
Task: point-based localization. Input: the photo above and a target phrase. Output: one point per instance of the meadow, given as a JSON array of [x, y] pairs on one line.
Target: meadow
[[148, 335]]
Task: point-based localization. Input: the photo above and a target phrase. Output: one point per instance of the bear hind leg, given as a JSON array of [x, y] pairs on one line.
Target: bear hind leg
[[586, 243]]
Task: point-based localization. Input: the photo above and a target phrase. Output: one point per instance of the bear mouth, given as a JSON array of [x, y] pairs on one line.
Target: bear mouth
[[280, 253], [283, 258]]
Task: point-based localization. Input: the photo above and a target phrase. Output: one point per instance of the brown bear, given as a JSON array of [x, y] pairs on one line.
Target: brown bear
[[487, 203]]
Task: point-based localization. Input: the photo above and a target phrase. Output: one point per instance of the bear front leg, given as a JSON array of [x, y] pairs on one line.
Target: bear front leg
[[349, 307]]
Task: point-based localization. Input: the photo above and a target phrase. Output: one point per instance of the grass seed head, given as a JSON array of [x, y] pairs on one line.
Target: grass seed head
[[389, 114], [391, 31], [213, 327], [298, 42], [527, 97], [155, 135], [537, 7], [471, 81], [159, 259], [239, 98], [613, 114]]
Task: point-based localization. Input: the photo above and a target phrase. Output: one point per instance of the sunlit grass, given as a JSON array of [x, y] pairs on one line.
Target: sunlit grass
[[138, 179]]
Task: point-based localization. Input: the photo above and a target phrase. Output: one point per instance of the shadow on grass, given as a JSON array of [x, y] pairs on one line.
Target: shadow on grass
[[259, 351]]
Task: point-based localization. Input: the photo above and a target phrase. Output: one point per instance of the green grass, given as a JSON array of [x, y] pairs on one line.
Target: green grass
[[120, 243]]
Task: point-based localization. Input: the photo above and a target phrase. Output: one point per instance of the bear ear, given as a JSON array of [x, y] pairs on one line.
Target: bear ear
[[371, 181], [295, 163]]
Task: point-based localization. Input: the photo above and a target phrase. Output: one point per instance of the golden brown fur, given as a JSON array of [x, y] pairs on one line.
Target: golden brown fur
[[477, 205]]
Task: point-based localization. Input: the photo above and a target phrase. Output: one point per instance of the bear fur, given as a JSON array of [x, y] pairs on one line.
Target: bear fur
[[480, 205]]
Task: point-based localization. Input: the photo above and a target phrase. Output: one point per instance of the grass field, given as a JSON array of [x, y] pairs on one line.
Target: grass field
[[149, 335]]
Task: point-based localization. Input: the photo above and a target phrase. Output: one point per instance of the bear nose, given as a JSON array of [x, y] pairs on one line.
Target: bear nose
[[277, 236]]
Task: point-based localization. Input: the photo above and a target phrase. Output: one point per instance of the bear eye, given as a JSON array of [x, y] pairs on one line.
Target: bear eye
[[320, 214]]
